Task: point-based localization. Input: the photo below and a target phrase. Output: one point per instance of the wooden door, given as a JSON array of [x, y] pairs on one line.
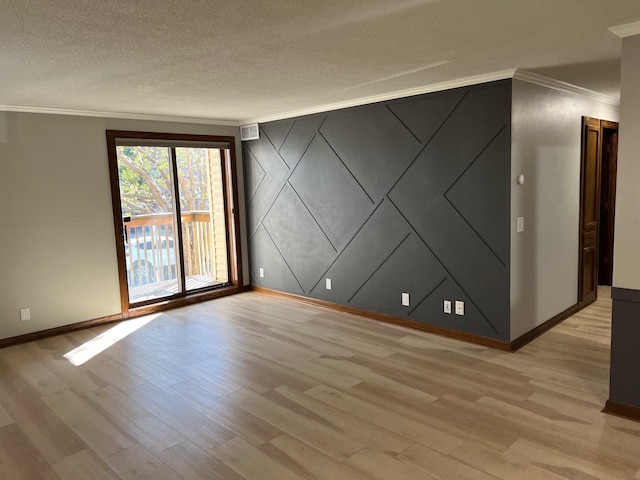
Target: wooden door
[[607, 200], [589, 211]]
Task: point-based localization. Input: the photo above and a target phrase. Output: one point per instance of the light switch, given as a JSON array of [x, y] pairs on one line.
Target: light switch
[[520, 224]]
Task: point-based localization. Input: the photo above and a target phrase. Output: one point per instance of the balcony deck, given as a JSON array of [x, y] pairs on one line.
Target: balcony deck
[[150, 243], [166, 288]]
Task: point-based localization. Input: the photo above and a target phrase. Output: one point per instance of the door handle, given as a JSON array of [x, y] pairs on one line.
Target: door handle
[[125, 229]]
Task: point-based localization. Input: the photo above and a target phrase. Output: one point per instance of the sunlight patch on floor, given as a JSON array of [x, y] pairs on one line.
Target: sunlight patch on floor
[[93, 347]]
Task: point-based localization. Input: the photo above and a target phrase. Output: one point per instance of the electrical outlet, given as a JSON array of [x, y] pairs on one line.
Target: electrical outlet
[[520, 224], [405, 299], [447, 306], [25, 314], [261, 272], [328, 283], [459, 307]]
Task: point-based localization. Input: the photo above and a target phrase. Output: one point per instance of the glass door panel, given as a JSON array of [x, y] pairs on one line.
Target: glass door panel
[[204, 236], [147, 205]]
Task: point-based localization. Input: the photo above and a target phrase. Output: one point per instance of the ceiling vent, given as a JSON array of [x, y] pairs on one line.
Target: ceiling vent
[[249, 132]]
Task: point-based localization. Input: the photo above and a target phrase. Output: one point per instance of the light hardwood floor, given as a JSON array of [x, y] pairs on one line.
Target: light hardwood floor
[[262, 388]]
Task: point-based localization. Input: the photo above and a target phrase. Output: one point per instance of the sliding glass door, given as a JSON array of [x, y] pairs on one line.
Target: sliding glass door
[[174, 199], [149, 221], [203, 221]]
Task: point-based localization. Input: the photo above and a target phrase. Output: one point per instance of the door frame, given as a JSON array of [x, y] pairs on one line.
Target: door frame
[[594, 124], [232, 220]]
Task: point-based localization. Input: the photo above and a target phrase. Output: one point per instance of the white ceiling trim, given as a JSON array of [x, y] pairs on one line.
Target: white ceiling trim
[[626, 30], [518, 74], [530, 77], [119, 115], [436, 87]]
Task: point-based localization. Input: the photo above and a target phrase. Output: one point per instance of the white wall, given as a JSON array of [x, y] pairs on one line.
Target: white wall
[[546, 137], [57, 243], [3, 126], [626, 254]]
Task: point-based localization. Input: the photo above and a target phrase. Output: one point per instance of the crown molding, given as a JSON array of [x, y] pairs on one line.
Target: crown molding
[[435, 87], [119, 115], [626, 30], [530, 77], [518, 74]]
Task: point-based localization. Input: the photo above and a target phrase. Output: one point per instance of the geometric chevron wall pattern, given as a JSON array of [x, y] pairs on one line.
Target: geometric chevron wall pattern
[[410, 195]]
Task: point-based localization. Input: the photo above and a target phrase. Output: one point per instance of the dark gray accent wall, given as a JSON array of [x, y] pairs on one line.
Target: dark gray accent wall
[[410, 195], [625, 355]]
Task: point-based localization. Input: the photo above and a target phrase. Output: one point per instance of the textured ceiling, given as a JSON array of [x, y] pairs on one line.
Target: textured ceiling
[[251, 59]]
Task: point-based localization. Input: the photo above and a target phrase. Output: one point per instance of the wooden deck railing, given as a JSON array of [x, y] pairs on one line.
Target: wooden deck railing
[[150, 243]]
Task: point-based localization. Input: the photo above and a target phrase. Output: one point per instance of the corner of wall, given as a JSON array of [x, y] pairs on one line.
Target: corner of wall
[[545, 148]]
